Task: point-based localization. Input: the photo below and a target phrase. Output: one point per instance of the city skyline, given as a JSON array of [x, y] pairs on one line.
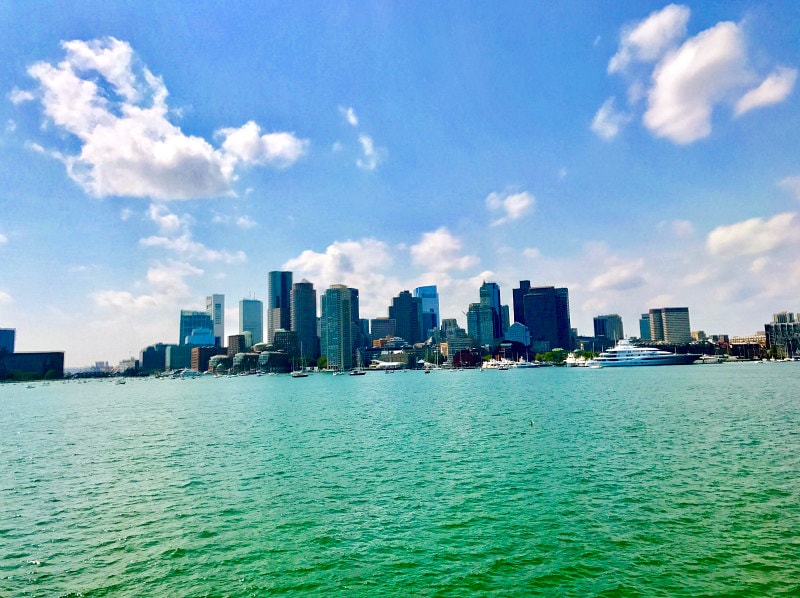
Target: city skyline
[[640, 155]]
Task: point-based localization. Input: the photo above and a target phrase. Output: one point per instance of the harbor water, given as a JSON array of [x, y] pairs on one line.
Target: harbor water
[[663, 481]]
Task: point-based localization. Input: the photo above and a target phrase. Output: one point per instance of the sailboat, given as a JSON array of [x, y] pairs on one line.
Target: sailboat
[[299, 372]]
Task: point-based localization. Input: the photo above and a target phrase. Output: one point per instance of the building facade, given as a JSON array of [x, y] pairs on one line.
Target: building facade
[[193, 320], [251, 319], [303, 318], [430, 308], [215, 307], [670, 325], [406, 311], [336, 326], [279, 304], [7, 338], [608, 330], [546, 314]]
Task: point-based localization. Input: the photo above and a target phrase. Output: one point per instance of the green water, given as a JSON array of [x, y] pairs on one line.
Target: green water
[[677, 481]]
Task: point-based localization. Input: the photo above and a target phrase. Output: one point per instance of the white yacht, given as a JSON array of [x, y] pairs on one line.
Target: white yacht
[[625, 353]]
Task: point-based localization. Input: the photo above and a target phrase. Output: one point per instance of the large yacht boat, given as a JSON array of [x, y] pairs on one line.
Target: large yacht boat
[[625, 353]]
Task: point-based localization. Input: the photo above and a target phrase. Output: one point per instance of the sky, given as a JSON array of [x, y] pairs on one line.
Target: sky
[[642, 154]]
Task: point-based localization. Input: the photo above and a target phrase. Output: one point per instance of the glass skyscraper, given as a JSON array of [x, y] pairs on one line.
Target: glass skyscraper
[[279, 311]]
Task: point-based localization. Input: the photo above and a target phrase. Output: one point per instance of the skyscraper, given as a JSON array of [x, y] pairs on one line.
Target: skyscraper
[[336, 342], [644, 327], [303, 308], [251, 319], [518, 296], [406, 311], [215, 307], [490, 295], [430, 308], [279, 311], [193, 320], [480, 324], [546, 313]]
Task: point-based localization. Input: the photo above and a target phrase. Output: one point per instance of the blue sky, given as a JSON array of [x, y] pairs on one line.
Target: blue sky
[[641, 154]]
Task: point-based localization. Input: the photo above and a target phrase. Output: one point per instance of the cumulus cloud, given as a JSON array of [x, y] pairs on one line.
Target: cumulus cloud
[[5, 298], [773, 90], [513, 205], [649, 39], [128, 146], [689, 77], [607, 122], [689, 82], [18, 96], [754, 236], [440, 251], [678, 228], [245, 222]]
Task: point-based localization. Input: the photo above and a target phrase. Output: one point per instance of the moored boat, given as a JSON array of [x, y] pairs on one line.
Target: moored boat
[[625, 353]]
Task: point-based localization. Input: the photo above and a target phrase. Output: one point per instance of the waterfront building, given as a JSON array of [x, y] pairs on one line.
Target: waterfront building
[[237, 344], [202, 336], [179, 357], [7, 337], [504, 317], [251, 319], [153, 358], [279, 304], [518, 333], [430, 308], [21, 366], [286, 341], [490, 296], [382, 328], [215, 306], [336, 339], [201, 356], [406, 311], [608, 330], [670, 325], [480, 324], [783, 334], [546, 314], [191, 320], [304, 321], [518, 300], [644, 327]]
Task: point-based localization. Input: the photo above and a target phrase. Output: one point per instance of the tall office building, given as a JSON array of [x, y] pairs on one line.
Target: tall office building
[[546, 313], [430, 308], [518, 297], [279, 306], [490, 296], [7, 339], [193, 320], [251, 319], [670, 324], [336, 326], [480, 324], [382, 328], [303, 321], [406, 311], [644, 327], [215, 306], [608, 330]]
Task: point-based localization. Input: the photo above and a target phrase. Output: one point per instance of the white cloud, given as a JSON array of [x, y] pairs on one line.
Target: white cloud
[[372, 156], [620, 276], [649, 39], [773, 89], [532, 253], [18, 96], [792, 184], [3, 239], [168, 288], [248, 145], [690, 81], [607, 122], [186, 247], [245, 222], [167, 221], [349, 115], [5, 298], [514, 205], [358, 264], [440, 251], [754, 236], [128, 145]]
